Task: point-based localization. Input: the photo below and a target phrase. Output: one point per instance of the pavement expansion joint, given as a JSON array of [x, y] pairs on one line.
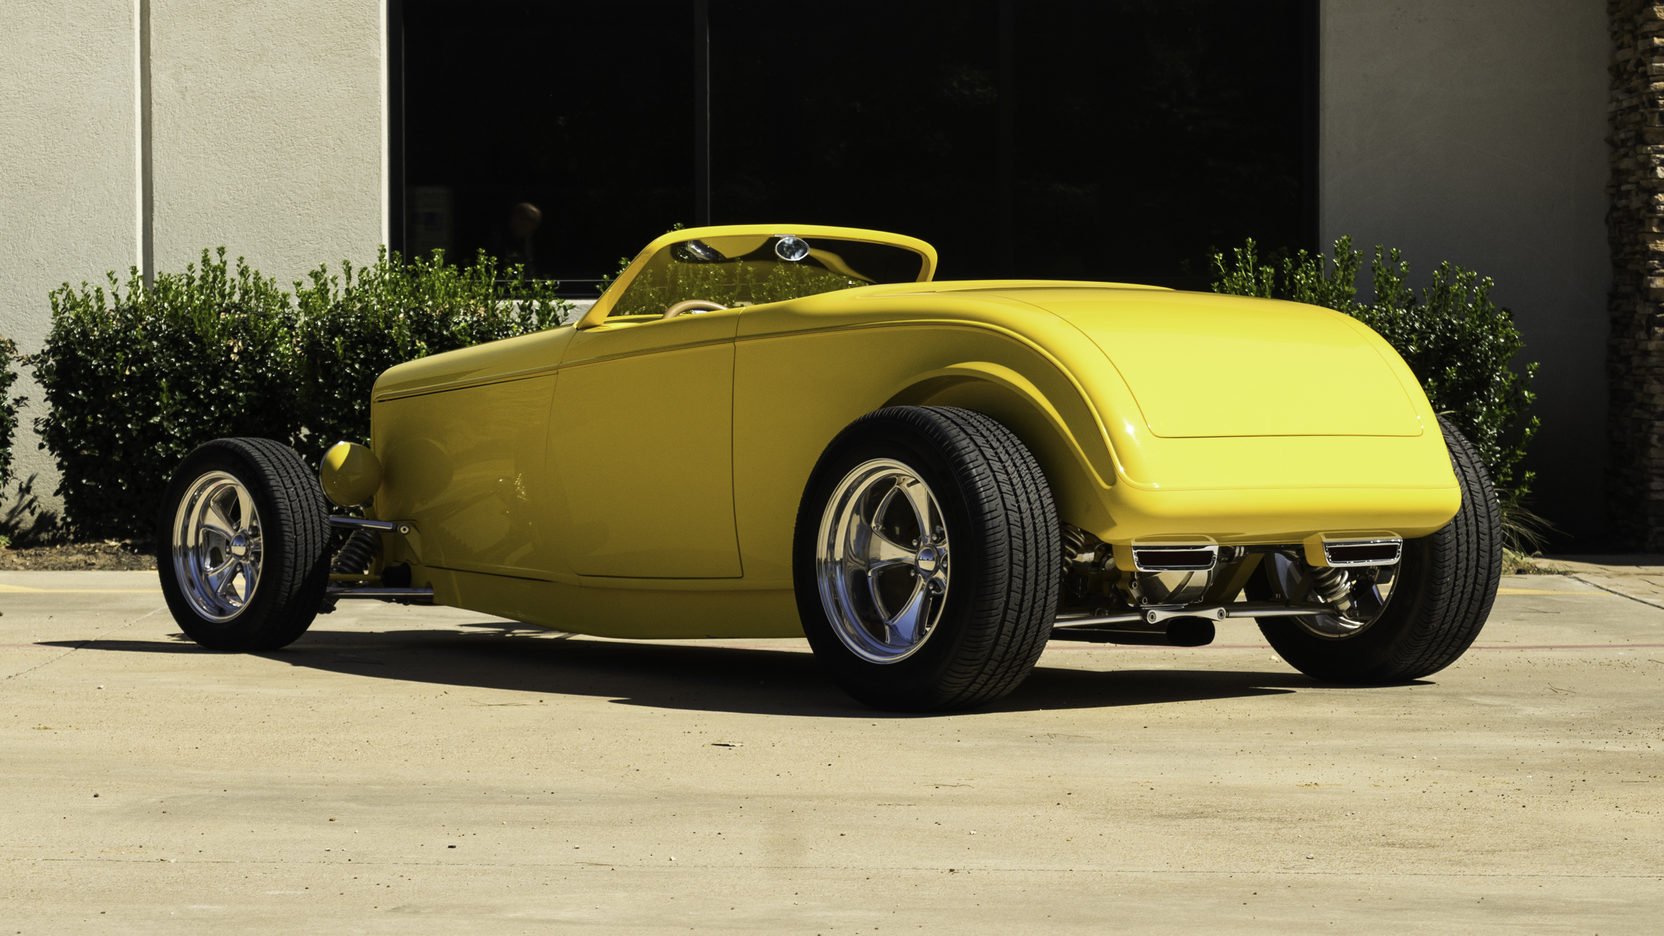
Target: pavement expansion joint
[[1620, 594], [82, 643]]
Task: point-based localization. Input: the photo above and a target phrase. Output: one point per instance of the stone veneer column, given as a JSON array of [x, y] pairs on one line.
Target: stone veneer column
[[1635, 225]]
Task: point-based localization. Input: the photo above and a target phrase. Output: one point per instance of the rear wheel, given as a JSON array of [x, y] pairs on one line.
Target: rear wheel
[[1403, 623], [927, 559], [242, 545]]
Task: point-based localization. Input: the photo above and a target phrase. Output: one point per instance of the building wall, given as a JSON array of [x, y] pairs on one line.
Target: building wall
[[1476, 132], [268, 131], [139, 132], [68, 173]]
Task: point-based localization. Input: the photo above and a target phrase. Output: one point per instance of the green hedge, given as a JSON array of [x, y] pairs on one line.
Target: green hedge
[[136, 376], [8, 407], [354, 325], [1458, 341]]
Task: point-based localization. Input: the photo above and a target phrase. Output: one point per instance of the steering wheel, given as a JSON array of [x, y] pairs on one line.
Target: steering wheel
[[692, 305]]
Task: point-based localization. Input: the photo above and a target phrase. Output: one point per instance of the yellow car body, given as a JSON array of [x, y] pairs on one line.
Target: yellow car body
[[640, 476]]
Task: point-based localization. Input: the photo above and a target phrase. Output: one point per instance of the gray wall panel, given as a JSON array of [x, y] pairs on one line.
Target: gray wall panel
[[1475, 132]]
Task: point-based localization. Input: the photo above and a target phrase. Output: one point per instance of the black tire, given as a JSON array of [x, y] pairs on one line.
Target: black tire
[[1002, 541], [292, 520], [1444, 591]]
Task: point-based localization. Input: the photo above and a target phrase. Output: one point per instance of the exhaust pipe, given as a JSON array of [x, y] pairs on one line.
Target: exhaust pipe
[[1134, 629], [1362, 553]]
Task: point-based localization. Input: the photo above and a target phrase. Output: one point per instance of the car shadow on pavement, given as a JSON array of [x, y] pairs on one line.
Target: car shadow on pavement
[[691, 676]]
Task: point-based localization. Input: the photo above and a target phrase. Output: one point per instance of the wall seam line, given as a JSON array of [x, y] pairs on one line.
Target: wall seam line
[[146, 168], [386, 129]]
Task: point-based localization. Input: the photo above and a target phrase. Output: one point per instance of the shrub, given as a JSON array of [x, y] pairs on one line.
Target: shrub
[[353, 326], [8, 407], [136, 376], [1459, 343]]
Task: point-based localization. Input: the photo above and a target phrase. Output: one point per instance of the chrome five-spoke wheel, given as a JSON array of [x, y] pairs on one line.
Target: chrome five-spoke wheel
[[926, 559], [217, 551], [881, 561], [242, 545]]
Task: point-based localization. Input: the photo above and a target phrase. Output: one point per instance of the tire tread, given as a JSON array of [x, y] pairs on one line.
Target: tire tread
[[295, 566], [1447, 586], [1014, 600]]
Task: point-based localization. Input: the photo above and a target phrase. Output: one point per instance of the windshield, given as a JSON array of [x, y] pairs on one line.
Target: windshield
[[752, 269]]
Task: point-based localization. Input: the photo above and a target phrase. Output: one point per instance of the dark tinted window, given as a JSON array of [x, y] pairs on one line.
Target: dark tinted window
[[1148, 131], [1096, 139], [583, 111], [869, 113]]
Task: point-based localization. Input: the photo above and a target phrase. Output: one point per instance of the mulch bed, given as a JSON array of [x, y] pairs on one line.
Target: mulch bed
[[105, 557], [115, 556]]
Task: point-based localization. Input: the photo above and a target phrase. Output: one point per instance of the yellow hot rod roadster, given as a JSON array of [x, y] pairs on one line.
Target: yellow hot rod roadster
[[791, 430]]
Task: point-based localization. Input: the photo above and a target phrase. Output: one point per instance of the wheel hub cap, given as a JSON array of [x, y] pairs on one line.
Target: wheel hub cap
[[927, 560], [881, 561], [217, 554]]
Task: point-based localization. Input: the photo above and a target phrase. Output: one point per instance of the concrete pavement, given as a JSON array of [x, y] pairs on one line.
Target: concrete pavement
[[423, 770], [1637, 577]]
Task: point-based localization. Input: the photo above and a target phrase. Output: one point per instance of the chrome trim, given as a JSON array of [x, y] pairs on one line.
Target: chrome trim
[[217, 549], [1088, 620], [1214, 612], [1175, 558], [379, 591], [882, 561], [1239, 609], [400, 527], [1329, 550]]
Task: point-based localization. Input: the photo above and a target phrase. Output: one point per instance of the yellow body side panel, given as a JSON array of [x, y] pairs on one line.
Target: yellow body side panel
[[641, 441], [461, 441], [658, 609]]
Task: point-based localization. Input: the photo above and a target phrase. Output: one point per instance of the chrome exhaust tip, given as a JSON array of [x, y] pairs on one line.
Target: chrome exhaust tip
[[1168, 558], [1361, 553]]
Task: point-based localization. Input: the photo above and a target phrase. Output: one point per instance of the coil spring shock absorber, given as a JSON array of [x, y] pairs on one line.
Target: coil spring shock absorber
[[1074, 542], [354, 557], [1333, 586]]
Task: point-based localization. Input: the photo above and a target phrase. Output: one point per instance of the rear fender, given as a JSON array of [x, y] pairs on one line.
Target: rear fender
[[1078, 469]]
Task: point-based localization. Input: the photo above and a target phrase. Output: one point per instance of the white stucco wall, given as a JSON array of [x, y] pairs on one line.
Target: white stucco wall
[[268, 131], [267, 135], [1475, 132], [68, 172]]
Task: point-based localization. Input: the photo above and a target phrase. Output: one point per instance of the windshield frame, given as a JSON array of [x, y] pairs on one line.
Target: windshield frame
[[598, 313]]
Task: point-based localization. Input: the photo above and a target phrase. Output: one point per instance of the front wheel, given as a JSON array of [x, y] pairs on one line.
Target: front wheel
[[1402, 623], [242, 545], [927, 559]]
